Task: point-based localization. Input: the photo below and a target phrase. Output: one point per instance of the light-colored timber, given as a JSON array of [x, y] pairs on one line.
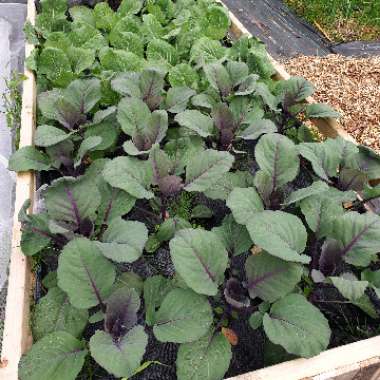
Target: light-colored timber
[[17, 336], [356, 361]]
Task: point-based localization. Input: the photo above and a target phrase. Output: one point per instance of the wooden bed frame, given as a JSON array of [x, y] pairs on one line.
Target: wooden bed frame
[[356, 361]]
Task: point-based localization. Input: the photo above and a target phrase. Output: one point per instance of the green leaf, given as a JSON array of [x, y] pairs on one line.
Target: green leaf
[[295, 90], [55, 65], [320, 213], [28, 158], [105, 17], [244, 202], [298, 326], [47, 135], [234, 236], [107, 131], [207, 168], [200, 258], [316, 111], [83, 94], [57, 356], [128, 41], [257, 128], [133, 115], [122, 357], [215, 22], [54, 313], [80, 59], [206, 359], [72, 200], [349, 288], [324, 157], [219, 78], [177, 98], [84, 273], [87, 145], [119, 60], [123, 241], [281, 234], [206, 50], [201, 211], [131, 175], [128, 7], [271, 278], [155, 290], [196, 122], [224, 186], [359, 236], [256, 320], [315, 188], [83, 14], [278, 158], [170, 226], [184, 316], [183, 75], [160, 50]]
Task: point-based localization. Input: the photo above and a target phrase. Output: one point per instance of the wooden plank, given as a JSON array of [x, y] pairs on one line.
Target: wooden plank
[[17, 336], [347, 362]]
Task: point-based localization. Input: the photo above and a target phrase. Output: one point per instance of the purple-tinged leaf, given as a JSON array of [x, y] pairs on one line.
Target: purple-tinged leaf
[[331, 260], [121, 313], [224, 122], [271, 278], [235, 294]]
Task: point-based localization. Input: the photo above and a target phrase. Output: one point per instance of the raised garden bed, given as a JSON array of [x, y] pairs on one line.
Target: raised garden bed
[[90, 285]]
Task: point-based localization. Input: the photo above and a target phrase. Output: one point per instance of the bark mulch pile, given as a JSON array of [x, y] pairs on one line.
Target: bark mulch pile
[[351, 85]]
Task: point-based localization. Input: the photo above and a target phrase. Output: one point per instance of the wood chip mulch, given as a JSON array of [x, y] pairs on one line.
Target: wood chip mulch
[[351, 86]]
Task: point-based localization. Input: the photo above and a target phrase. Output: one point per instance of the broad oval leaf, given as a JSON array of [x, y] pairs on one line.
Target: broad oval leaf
[[206, 359], [359, 235], [317, 111], [206, 168], [121, 312], [123, 241], [350, 288], [184, 316], [121, 357], [57, 356], [83, 94], [72, 200], [196, 122], [298, 326], [277, 156], [320, 213], [85, 274], [155, 290], [280, 234], [244, 202], [47, 135], [257, 128], [177, 98], [28, 158], [132, 114], [200, 258], [317, 187], [271, 278], [131, 175], [54, 313]]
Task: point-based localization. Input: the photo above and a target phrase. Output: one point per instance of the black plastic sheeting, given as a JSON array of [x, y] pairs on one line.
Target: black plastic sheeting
[[287, 35]]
